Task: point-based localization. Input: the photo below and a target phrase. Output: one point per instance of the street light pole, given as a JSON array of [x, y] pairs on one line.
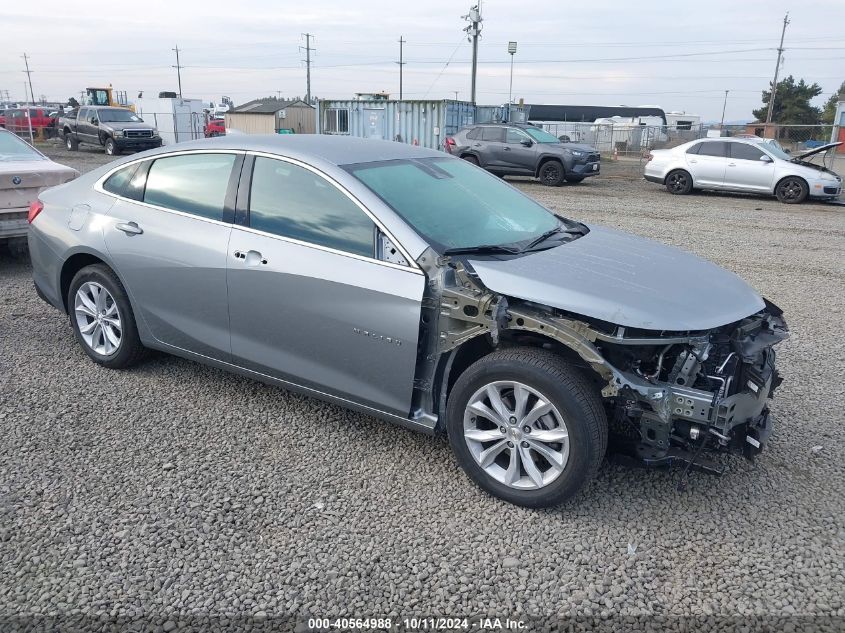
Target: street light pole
[[512, 51], [724, 106]]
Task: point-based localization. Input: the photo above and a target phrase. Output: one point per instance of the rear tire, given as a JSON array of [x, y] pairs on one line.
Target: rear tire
[[679, 182], [552, 173], [71, 143], [574, 414], [792, 190], [106, 330], [471, 159]]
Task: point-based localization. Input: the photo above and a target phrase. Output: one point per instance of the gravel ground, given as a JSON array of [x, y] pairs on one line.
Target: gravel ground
[[176, 494]]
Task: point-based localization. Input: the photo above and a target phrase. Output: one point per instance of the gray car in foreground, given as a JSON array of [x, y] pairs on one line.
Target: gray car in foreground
[[415, 287]]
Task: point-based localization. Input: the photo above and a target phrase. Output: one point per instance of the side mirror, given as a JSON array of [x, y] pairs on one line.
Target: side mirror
[[526, 142], [95, 122], [766, 158]]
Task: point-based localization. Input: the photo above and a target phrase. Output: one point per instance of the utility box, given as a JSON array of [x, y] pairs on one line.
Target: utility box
[[177, 120]]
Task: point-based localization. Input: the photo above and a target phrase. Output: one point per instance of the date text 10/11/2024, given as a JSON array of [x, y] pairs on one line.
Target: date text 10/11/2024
[[416, 624]]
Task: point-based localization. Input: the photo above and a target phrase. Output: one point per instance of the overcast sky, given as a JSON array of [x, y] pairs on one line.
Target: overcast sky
[[678, 55]]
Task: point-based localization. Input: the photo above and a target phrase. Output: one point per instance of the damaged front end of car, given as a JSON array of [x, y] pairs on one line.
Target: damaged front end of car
[[669, 396]]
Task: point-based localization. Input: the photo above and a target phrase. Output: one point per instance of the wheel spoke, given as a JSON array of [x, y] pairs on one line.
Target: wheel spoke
[[114, 322], [88, 328], [553, 457], [496, 402], [513, 473], [110, 335], [541, 408], [99, 298], [111, 310], [479, 408], [86, 302], [556, 435], [488, 455], [530, 467], [477, 435], [520, 396]]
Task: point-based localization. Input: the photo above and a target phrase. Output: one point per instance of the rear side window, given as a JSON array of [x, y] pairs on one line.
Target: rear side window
[[495, 134], [124, 182], [744, 151], [694, 149], [713, 149], [192, 183], [474, 133], [291, 201]]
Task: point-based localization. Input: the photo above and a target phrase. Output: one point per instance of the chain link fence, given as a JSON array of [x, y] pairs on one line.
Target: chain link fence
[[625, 146]]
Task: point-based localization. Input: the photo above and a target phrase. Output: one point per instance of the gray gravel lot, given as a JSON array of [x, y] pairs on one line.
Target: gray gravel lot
[[174, 492]]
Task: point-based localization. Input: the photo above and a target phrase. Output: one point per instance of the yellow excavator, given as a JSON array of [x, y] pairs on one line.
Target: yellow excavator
[[107, 97]]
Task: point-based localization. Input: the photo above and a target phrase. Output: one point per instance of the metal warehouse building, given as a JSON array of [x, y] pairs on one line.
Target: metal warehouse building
[[425, 123], [270, 116]]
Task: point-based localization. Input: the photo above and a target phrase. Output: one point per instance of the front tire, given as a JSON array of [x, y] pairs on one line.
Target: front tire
[[102, 318], [527, 427], [679, 182], [792, 190], [551, 173], [111, 147]]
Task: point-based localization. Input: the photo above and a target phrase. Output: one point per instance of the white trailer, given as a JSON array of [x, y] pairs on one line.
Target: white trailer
[[177, 119]]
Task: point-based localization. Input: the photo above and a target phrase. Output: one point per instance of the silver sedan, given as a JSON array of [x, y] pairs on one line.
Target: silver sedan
[[748, 165], [414, 286]]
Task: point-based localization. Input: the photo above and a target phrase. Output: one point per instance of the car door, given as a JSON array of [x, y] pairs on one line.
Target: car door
[[749, 168], [707, 162], [168, 235], [516, 156], [86, 130], [487, 146], [309, 302]]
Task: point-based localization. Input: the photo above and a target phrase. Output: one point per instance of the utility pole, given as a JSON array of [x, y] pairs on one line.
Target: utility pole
[[401, 63], [474, 32], [178, 68], [456, 94], [29, 77], [777, 69], [308, 50], [724, 106]]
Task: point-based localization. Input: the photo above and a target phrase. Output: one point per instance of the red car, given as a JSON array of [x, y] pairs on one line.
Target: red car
[[215, 127], [17, 119]]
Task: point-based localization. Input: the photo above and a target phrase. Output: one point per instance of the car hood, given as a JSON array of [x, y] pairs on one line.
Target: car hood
[[626, 280], [817, 150], [127, 125], [581, 147]]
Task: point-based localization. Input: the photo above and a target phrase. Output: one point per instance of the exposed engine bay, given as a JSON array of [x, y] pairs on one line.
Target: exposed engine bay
[[669, 396]]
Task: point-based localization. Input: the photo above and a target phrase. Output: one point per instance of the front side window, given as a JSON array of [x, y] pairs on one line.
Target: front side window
[[191, 183], [454, 205], [713, 149], [517, 136], [541, 136], [291, 201], [744, 151]]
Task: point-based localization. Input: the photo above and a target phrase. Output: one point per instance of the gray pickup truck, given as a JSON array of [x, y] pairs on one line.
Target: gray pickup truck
[[115, 129]]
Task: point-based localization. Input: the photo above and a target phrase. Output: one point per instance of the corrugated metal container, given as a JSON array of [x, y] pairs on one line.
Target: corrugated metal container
[[498, 114], [426, 123]]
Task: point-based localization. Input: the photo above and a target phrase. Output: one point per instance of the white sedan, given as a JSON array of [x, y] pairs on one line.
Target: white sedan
[[748, 165]]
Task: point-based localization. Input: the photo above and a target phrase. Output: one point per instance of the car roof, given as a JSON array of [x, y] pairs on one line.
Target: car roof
[[333, 149]]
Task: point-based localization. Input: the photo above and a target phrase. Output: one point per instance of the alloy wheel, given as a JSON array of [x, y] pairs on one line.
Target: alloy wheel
[[516, 435], [677, 182], [551, 174], [98, 318], [791, 189]]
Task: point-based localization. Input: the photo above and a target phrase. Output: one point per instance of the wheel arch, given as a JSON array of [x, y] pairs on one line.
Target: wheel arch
[[545, 159], [793, 175]]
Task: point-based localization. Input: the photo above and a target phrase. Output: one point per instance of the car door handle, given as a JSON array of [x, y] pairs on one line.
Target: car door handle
[[130, 228], [506, 148], [731, 164], [251, 258], [693, 161], [476, 144]]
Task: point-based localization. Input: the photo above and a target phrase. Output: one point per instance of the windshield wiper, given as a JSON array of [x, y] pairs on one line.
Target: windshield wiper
[[482, 249], [542, 238]]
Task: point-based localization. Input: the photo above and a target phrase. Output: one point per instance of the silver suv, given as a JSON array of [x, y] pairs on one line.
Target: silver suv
[[511, 149], [415, 287]]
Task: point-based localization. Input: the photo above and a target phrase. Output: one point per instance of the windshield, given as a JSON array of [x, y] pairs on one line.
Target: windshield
[[455, 205], [774, 148], [118, 115], [13, 148], [541, 136]]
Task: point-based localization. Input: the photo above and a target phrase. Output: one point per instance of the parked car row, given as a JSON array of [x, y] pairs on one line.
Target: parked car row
[[19, 120]]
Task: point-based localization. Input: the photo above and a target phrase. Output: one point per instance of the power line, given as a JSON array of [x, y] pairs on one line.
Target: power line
[[178, 68]]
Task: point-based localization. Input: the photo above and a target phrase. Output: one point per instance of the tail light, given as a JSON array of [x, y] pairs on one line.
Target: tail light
[[448, 144], [34, 209]]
